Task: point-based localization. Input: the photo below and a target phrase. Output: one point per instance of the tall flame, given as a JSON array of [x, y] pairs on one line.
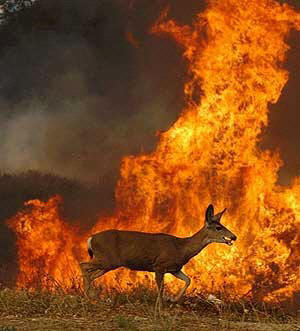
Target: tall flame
[[235, 51]]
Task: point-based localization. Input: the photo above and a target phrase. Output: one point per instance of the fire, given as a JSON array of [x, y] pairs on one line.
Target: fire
[[45, 245], [235, 51]]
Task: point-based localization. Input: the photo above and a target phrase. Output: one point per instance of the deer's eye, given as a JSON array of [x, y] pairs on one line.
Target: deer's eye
[[218, 227]]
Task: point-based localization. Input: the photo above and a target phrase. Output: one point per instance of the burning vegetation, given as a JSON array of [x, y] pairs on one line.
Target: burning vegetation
[[235, 51]]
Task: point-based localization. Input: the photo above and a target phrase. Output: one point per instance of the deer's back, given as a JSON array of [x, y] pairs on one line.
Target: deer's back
[[137, 250]]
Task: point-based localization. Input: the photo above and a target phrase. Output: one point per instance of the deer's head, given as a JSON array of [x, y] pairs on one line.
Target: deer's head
[[216, 232]]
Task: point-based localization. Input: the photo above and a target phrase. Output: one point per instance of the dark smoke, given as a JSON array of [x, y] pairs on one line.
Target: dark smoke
[[83, 83], [77, 94], [283, 131]]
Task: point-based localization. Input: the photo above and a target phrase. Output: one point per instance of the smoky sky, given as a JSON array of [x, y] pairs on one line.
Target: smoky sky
[[84, 83]]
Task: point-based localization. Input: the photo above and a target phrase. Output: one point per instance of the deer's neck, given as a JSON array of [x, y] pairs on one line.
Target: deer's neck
[[195, 243]]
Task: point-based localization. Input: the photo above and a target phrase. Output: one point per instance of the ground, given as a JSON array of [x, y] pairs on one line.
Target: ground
[[23, 310], [127, 322]]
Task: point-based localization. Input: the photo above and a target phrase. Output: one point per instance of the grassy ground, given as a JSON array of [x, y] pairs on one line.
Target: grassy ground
[[22, 310]]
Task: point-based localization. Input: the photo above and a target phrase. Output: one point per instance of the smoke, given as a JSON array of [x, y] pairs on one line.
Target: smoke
[[283, 132], [77, 94], [83, 84]]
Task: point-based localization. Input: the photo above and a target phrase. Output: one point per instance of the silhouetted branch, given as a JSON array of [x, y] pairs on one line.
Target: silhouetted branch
[[11, 7]]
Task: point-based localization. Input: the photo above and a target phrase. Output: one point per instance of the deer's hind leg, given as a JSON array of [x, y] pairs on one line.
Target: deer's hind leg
[[90, 271]]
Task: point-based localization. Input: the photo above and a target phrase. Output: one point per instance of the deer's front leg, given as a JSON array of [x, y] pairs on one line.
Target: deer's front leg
[[182, 276], [159, 278]]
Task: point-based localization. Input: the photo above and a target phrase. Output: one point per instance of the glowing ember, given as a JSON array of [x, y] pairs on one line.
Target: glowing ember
[[235, 50]]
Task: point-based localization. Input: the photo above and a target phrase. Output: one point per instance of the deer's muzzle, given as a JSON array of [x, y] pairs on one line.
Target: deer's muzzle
[[229, 240]]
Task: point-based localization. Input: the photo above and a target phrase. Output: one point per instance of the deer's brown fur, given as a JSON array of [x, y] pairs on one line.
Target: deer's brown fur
[[155, 252]]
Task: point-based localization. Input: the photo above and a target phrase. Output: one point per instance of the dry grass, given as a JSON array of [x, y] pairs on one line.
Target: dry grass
[[24, 310]]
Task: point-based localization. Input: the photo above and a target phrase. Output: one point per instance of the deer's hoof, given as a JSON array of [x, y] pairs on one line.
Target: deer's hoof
[[169, 299]]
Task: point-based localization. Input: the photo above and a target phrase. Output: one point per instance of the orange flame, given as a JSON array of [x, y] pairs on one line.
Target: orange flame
[[235, 51]]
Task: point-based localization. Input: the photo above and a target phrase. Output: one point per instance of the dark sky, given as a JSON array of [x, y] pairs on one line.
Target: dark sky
[[76, 95], [83, 83]]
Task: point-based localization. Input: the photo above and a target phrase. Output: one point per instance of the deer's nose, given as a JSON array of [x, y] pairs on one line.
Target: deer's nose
[[233, 237]]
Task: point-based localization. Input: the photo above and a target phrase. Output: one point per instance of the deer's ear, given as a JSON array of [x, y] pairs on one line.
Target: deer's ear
[[217, 218], [209, 214]]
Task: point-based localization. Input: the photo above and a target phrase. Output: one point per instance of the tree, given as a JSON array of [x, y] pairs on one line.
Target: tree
[[11, 7]]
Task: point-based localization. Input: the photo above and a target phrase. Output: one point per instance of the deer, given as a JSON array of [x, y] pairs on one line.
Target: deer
[[154, 252]]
